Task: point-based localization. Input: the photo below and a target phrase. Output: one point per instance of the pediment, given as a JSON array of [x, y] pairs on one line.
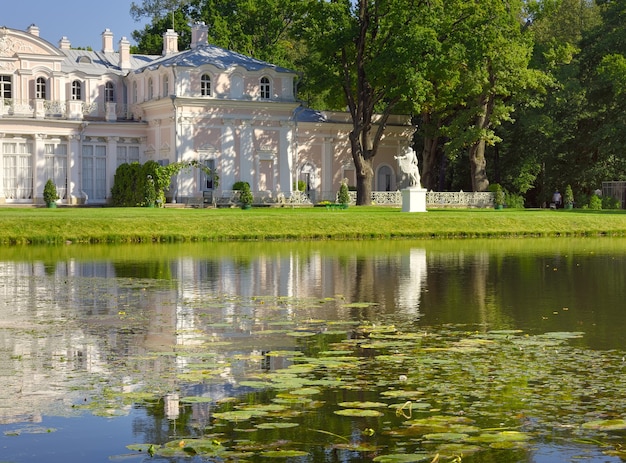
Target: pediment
[[14, 43]]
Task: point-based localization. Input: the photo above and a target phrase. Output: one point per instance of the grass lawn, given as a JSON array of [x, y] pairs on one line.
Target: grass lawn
[[126, 225]]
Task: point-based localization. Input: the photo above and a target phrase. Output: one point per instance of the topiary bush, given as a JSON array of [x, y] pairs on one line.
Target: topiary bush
[[595, 203], [127, 190]]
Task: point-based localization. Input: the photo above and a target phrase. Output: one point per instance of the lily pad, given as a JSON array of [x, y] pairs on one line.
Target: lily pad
[[606, 425], [359, 412], [284, 454]]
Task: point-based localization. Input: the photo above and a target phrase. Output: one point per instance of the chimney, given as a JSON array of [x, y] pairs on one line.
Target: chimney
[[170, 42], [124, 45], [199, 34], [33, 30], [107, 41], [64, 43]]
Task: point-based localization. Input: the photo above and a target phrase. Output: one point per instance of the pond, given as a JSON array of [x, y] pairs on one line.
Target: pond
[[388, 351]]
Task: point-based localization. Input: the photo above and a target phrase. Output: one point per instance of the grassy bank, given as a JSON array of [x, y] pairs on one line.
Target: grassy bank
[[124, 225]]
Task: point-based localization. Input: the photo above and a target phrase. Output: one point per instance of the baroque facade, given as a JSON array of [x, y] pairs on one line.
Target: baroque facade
[[75, 115]]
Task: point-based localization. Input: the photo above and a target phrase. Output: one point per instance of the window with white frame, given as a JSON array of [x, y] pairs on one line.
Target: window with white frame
[[94, 159], [208, 182], [77, 90], [109, 92], [205, 85], [150, 89], [127, 154], [266, 88], [166, 85], [17, 163], [40, 88], [5, 87], [56, 166]]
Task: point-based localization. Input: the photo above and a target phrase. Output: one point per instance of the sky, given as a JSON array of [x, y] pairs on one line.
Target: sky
[[81, 21]]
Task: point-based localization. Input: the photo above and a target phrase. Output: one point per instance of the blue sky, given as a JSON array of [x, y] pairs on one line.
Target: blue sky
[[81, 21]]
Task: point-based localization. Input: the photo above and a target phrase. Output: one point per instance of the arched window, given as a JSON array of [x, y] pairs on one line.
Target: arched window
[[150, 89], [109, 92], [166, 86], [40, 88], [265, 88], [77, 90], [205, 85]]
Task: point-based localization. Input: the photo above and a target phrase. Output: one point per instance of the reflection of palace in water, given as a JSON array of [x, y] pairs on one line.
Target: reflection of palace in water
[[65, 324]]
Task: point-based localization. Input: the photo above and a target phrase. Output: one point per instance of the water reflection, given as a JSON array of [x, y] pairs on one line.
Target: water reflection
[[74, 321]]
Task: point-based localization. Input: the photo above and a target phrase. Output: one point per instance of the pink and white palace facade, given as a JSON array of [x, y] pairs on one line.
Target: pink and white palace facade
[[75, 115]]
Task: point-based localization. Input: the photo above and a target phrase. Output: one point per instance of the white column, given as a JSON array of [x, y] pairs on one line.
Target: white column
[[228, 168], [286, 158], [39, 166], [2, 197], [74, 159], [327, 169], [111, 163], [246, 158]]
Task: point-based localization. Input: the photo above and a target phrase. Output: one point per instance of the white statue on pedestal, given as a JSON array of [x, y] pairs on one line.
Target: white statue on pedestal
[[408, 165]]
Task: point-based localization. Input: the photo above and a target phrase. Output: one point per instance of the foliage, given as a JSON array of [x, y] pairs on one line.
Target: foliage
[[609, 202], [130, 183], [50, 192], [300, 185], [239, 185], [498, 194], [513, 201], [595, 203], [568, 196], [344, 196], [245, 196]]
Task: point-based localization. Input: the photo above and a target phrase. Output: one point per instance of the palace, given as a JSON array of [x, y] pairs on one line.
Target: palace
[[74, 116]]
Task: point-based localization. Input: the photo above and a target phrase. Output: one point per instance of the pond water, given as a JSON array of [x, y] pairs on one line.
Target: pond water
[[388, 351]]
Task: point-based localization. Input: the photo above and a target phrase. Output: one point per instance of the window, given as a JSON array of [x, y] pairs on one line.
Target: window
[[56, 166], [77, 90], [18, 170], [94, 171], [127, 154], [209, 180], [166, 86], [109, 92], [5, 87], [150, 89], [135, 91], [265, 88], [40, 88], [205, 85]]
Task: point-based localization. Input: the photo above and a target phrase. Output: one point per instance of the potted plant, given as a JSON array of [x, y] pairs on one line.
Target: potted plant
[[245, 196], [568, 198], [343, 197], [498, 196], [50, 195], [150, 194]]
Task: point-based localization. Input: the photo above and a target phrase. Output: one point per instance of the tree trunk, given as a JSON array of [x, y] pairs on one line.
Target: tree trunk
[[364, 178], [429, 174], [478, 165]]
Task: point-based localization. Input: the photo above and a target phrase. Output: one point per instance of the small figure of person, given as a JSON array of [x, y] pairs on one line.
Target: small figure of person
[[557, 199]]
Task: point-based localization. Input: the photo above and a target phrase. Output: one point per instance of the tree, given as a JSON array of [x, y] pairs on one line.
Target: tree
[[367, 55]]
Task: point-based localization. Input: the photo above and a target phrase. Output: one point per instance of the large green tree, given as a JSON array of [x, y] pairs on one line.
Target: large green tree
[[369, 56]]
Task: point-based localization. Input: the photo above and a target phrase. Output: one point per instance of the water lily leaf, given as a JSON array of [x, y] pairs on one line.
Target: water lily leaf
[[446, 436], [362, 404], [279, 425], [404, 458], [196, 399], [306, 391], [499, 437], [284, 454], [606, 425], [358, 412]]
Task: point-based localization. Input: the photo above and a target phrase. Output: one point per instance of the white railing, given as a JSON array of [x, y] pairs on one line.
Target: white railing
[[434, 199]]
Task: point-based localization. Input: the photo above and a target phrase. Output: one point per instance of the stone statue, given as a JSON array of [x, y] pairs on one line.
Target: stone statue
[[408, 165]]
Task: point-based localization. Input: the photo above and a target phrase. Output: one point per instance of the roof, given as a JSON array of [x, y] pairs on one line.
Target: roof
[[210, 54], [92, 62]]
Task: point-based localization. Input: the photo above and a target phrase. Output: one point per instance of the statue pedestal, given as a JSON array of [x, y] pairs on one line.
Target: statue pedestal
[[414, 199]]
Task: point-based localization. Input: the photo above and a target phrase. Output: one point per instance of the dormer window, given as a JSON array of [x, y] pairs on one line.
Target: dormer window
[[265, 88], [205, 85], [84, 59], [77, 90], [40, 88], [109, 92]]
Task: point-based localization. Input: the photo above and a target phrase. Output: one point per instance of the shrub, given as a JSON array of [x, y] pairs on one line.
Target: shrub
[[595, 203], [498, 194], [344, 194], [50, 192], [609, 202], [126, 190], [568, 198], [514, 201], [238, 186], [245, 197], [300, 185]]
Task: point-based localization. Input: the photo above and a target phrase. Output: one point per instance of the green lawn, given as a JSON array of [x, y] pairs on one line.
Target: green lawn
[[116, 225]]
